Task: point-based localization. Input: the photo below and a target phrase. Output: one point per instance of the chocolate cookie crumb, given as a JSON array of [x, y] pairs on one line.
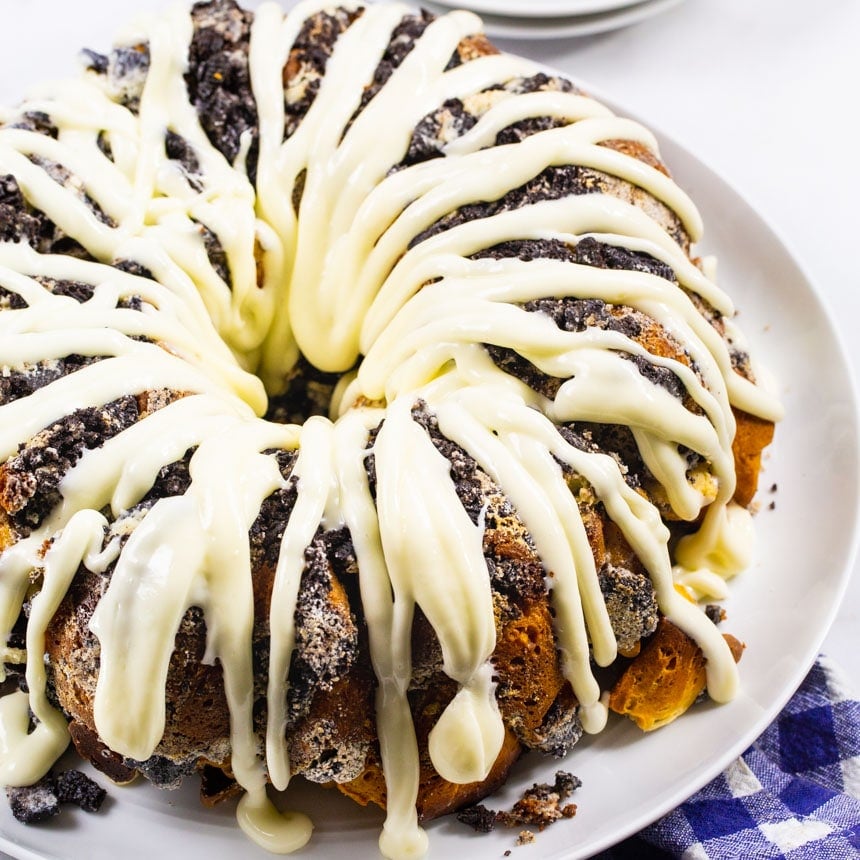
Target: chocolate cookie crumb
[[33, 803], [76, 787], [715, 613], [478, 817], [540, 806], [526, 837]]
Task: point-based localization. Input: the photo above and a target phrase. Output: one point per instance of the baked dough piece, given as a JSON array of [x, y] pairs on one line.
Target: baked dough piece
[[664, 680]]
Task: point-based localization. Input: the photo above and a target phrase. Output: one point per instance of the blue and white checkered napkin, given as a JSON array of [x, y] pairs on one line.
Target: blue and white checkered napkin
[[795, 793]]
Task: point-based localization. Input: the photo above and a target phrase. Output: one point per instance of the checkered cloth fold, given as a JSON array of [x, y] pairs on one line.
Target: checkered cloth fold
[[794, 794]]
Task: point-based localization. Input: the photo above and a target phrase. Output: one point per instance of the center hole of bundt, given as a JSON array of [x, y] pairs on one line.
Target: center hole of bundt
[[308, 391]]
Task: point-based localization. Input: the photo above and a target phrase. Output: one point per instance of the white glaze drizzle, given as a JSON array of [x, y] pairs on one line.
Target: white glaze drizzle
[[340, 279], [435, 561], [316, 481]]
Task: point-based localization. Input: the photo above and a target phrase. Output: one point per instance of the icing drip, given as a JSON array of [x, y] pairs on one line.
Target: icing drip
[[335, 254], [389, 642], [278, 832], [435, 561], [136, 623], [316, 480]]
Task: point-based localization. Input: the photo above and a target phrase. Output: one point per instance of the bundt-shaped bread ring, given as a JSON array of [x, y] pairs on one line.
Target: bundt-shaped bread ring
[[364, 415]]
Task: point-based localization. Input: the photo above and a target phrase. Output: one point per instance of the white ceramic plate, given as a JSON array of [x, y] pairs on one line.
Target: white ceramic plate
[[537, 8], [781, 607], [567, 26]]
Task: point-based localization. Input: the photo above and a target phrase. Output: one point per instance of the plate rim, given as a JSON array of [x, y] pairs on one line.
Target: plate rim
[[539, 8], [556, 28]]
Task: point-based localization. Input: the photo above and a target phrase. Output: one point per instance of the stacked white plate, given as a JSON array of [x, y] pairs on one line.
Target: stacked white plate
[[556, 19]]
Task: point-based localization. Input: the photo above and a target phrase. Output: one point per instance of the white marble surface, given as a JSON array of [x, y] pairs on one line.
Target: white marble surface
[[765, 93]]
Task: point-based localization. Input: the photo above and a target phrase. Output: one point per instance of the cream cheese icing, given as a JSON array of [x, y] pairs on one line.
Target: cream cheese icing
[[340, 281]]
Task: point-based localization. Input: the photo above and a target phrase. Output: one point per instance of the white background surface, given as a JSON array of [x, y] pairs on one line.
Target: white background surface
[[764, 92]]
